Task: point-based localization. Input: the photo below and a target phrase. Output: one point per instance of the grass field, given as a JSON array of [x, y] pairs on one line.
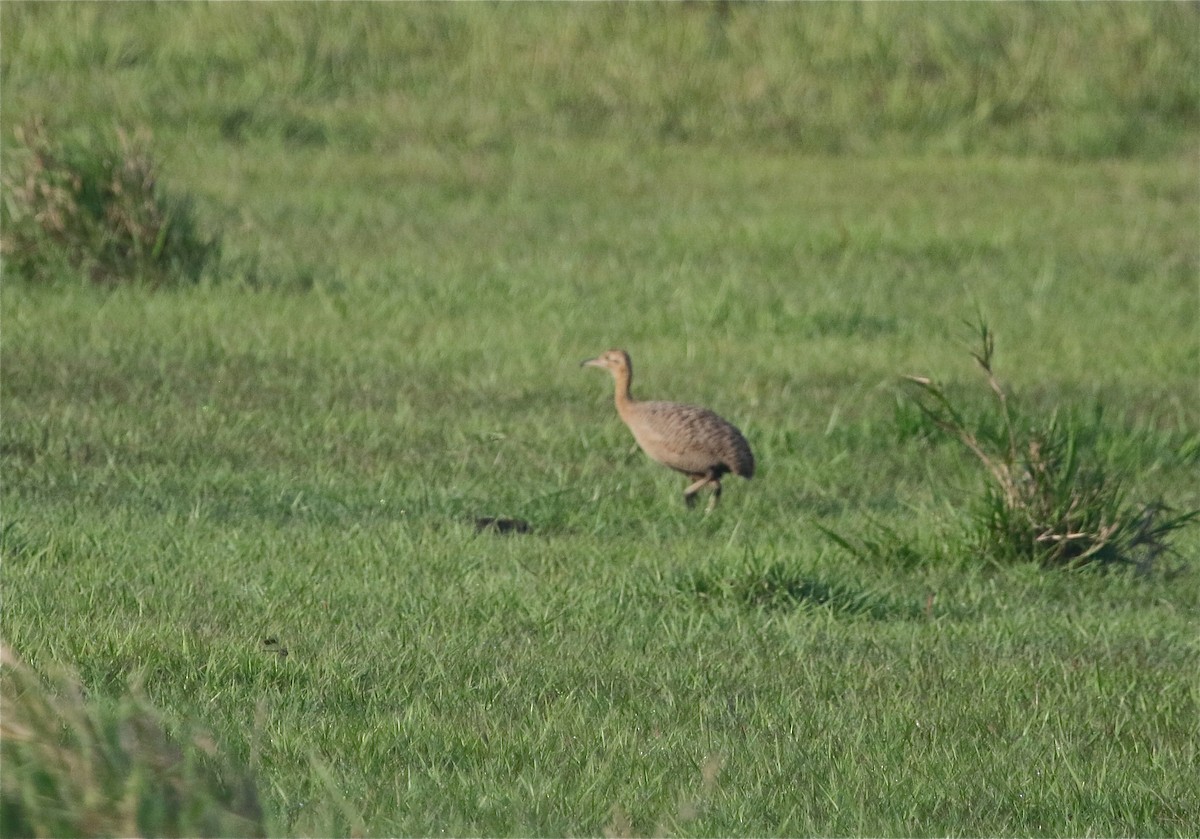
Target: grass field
[[429, 215]]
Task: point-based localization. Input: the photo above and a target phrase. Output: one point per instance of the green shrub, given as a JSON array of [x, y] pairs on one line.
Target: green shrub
[[74, 767], [94, 208], [1049, 496]]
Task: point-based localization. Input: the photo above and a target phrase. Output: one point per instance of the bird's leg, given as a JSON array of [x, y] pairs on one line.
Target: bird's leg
[[716, 495], [689, 494]]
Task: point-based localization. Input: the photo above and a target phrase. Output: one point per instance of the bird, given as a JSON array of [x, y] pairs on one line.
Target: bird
[[686, 438]]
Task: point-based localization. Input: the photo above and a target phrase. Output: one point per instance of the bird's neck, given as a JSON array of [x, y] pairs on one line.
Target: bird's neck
[[624, 398]]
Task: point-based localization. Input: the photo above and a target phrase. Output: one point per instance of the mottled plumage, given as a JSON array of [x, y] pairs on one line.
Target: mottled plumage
[[688, 439]]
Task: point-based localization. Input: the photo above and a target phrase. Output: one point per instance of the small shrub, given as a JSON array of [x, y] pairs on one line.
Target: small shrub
[[1048, 498], [72, 767], [94, 208]]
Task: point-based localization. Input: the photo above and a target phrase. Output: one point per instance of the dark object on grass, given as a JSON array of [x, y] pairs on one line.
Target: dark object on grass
[[494, 524], [691, 440], [272, 645]]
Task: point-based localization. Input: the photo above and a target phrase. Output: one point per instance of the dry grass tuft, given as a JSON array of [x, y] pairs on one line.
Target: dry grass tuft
[[94, 208], [1048, 498]]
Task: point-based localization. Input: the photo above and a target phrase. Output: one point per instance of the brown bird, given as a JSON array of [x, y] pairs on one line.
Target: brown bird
[[691, 440]]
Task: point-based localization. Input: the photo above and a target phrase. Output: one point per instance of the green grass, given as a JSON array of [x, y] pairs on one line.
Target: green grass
[[1075, 82], [447, 219]]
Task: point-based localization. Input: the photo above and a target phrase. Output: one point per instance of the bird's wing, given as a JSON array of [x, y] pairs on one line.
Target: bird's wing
[[689, 438]]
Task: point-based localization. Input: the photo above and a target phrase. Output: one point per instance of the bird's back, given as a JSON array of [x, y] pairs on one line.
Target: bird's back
[[689, 439]]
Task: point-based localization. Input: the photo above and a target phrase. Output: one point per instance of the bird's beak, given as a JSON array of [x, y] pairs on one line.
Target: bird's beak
[[591, 362]]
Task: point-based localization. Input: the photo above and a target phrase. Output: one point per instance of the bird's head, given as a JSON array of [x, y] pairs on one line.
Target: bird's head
[[615, 361]]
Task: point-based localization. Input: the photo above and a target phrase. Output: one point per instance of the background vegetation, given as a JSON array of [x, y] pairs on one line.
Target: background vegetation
[[238, 509]]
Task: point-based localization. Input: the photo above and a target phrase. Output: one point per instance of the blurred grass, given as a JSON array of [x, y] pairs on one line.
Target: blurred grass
[[1067, 81], [79, 768]]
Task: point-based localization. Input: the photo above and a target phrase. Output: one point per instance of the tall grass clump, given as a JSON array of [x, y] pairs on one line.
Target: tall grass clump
[[1048, 496], [74, 767], [92, 207]]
